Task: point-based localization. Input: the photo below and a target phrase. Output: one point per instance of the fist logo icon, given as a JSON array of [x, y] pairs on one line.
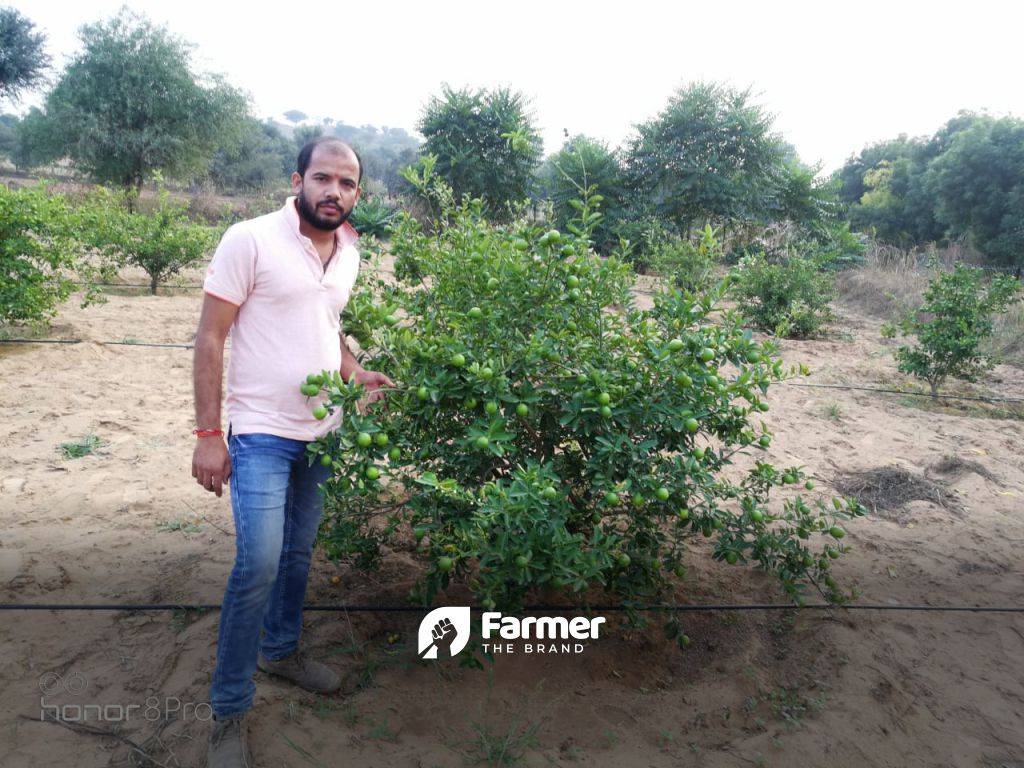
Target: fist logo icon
[[444, 632]]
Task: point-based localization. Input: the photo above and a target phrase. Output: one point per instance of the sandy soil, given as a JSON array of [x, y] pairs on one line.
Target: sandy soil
[[852, 689]]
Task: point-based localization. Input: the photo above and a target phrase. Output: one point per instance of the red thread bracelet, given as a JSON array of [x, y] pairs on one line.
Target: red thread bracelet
[[207, 432]]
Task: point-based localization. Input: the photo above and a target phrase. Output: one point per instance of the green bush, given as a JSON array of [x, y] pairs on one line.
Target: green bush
[[162, 240], [40, 259], [951, 325], [374, 216], [690, 267], [546, 435], [788, 297]]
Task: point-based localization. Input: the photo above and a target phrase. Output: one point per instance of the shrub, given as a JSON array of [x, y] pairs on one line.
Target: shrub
[[951, 325], [544, 434], [162, 241], [374, 215], [789, 297], [690, 267], [39, 258]]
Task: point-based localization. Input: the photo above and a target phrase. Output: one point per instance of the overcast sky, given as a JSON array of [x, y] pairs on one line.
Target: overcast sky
[[837, 76]]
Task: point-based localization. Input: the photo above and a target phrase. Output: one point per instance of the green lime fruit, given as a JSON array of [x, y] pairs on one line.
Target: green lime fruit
[[662, 494], [675, 345], [326, 461], [623, 560], [753, 356], [422, 393], [363, 439], [611, 498], [320, 413], [836, 532], [491, 407], [372, 473], [572, 281], [604, 398], [731, 557], [606, 412], [764, 441], [482, 442], [692, 425], [444, 564], [757, 516], [684, 514], [549, 493], [520, 244], [707, 354], [522, 410], [809, 485], [381, 439], [522, 561], [395, 453], [492, 283], [458, 359], [638, 500], [475, 312]]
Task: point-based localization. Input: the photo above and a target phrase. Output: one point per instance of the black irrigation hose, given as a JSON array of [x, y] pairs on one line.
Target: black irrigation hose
[[80, 341], [788, 383], [901, 392], [134, 285], [415, 609]]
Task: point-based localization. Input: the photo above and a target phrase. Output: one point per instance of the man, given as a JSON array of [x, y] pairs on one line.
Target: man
[[278, 283]]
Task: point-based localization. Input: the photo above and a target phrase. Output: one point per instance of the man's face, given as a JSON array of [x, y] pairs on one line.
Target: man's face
[[330, 188]]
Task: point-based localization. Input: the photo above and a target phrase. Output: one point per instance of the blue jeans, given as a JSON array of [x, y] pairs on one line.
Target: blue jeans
[[276, 502]]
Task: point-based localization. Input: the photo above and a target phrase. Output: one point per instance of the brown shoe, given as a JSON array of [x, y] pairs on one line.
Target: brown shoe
[[305, 672], [229, 744]]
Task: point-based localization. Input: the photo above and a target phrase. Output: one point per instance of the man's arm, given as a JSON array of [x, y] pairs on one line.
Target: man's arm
[[211, 465], [349, 365], [371, 380]]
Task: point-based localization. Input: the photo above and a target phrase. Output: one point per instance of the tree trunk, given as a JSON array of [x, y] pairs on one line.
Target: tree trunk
[[154, 281]]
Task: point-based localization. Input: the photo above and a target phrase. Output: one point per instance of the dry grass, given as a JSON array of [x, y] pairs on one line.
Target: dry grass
[[886, 490]]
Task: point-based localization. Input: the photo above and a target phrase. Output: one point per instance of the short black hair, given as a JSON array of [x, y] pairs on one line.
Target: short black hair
[[306, 153]]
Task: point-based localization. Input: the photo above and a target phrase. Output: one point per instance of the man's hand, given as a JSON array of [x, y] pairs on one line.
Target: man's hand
[[373, 381], [211, 464]]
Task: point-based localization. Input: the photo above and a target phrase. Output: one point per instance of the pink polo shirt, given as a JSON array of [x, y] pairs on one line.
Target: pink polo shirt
[[288, 323]]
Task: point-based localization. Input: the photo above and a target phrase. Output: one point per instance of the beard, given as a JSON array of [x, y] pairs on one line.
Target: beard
[[311, 214]]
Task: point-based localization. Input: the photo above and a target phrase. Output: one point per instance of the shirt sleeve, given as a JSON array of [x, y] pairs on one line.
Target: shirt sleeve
[[232, 271]]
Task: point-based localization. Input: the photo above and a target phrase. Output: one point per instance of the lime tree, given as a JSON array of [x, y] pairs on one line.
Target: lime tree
[[551, 440]]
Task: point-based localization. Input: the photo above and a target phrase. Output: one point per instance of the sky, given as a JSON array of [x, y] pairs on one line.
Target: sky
[[836, 76]]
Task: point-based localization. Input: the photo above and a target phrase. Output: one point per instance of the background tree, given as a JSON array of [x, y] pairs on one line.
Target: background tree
[[710, 154], [581, 163], [485, 142], [978, 184], [23, 62], [129, 105], [262, 157]]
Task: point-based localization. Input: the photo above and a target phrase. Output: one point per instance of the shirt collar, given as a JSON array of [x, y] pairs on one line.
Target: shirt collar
[[345, 235]]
